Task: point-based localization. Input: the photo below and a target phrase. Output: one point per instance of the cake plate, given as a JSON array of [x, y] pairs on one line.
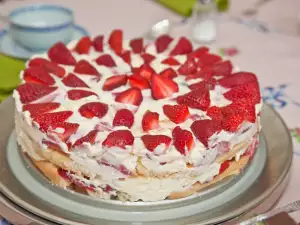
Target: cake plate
[[27, 193]]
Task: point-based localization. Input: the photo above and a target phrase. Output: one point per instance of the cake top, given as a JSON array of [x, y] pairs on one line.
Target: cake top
[[132, 95]]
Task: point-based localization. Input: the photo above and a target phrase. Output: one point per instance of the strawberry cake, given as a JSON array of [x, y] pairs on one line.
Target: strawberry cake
[[136, 121]]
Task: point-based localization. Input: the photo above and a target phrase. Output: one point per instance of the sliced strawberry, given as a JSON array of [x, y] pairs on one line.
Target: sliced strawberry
[[222, 68], [126, 56], [183, 140], [204, 74], [85, 68], [152, 141], [93, 109], [49, 119], [237, 79], [83, 45], [197, 99], [121, 168], [98, 43], [59, 53], [240, 108], [79, 94], [150, 121], [204, 129], [162, 43], [37, 75], [224, 166], [68, 130], [208, 60], [138, 82], [50, 67], [148, 58], [188, 67], [170, 61], [89, 138], [73, 81], [40, 108], [215, 113], [114, 82], [145, 71], [119, 138], [31, 92], [177, 113], [162, 87], [137, 45], [115, 41], [184, 46], [168, 73], [105, 60], [232, 122], [123, 117], [131, 96], [205, 84], [198, 52]]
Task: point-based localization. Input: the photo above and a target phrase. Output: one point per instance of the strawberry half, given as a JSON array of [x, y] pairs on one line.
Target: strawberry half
[[162, 43], [40, 108], [198, 52], [168, 73], [31, 92], [115, 41], [37, 75], [83, 67], [204, 73], [183, 140], [176, 113], [98, 43], [223, 68], [93, 109], [152, 141], [148, 58], [137, 45], [162, 87], [215, 113], [170, 61], [197, 99], [208, 60], [105, 60], [83, 45], [59, 53], [89, 138], [184, 46], [73, 81], [131, 96], [205, 84], [126, 56], [79, 94], [119, 138], [237, 79], [50, 67], [123, 117], [150, 121], [68, 130], [189, 67], [145, 71], [114, 82], [49, 119], [138, 82]]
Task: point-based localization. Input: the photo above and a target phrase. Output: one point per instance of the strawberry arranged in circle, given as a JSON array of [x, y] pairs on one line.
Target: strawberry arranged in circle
[[59, 53], [205, 84], [73, 81], [49, 119], [222, 68], [98, 43], [29, 92], [148, 58], [40, 108], [50, 67], [37, 75], [189, 67], [183, 140], [67, 128], [114, 82], [197, 99], [88, 138], [151, 142], [183, 46], [207, 60], [123, 117], [83, 45], [145, 71], [162, 43], [126, 56], [79, 94], [132, 96], [162, 87], [198, 52], [168, 73], [176, 113], [138, 82], [237, 79], [119, 138], [83, 67], [115, 41], [150, 121], [105, 60], [93, 109], [137, 45], [170, 61]]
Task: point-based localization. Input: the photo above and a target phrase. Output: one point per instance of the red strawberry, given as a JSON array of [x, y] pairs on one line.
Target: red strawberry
[[205, 74], [93, 109], [240, 108], [170, 61], [59, 53], [176, 113], [79, 94], [168, 73], [198, 52], [188, 67], [183, 46], [98, 43], [121, 168], [68, 129], [204, 129], [147, 58], [73, 81], [162, 87], [197, 99], [50, 67], [126, 56], [83, 45], [116, 41], [114, 82], [222, 68], [49, 119], [105, 60], [224, 166], [237, 79], [89, 138], [137, 45], [138, 82], [150, 121], [183, 140], [85, 68], [145, 71], [162, 43], [40, 108], [152, 141], [37, 75], [131, 96], [119, 138], [205, 84], [123, 117], [215, 113], [207, 60], [31, 92], [232, 122]]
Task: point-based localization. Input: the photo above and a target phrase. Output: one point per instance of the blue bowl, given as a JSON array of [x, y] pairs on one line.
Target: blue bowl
[[37, 27]]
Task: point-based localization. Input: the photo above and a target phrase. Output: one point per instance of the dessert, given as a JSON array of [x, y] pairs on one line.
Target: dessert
[[131, 120]]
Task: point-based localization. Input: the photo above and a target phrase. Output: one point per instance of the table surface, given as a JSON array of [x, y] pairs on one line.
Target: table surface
[[273, 56]]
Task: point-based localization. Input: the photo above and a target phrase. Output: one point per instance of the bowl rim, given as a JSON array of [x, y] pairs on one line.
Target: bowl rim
[[41, 7]]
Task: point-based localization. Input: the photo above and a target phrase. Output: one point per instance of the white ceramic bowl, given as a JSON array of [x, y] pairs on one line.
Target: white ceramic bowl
[[37, 27]]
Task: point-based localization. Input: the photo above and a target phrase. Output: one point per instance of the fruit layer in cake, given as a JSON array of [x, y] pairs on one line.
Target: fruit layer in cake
[[130, 120]]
